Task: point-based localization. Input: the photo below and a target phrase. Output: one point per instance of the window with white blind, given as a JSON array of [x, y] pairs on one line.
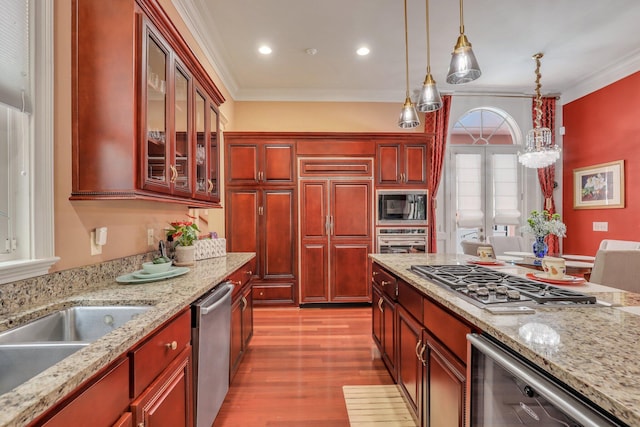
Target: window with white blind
[[487, 192], [26, 139]]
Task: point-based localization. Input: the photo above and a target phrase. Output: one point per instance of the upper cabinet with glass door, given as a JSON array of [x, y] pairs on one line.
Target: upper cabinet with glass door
[[147, 129]]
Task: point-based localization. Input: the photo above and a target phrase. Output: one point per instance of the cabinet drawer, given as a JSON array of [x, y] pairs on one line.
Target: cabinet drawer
[[111, 390], [410, 299], [386, 282], [242, 276], [150, 358], [274, 293], [451, 331]]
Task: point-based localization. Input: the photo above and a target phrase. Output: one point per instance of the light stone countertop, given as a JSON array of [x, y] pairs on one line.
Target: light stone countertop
[[167, 298], [599, 346]]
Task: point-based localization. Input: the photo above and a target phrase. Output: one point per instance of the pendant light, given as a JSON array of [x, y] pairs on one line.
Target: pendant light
[[539, 151], [464, 67], [408, 116], [429, 99]]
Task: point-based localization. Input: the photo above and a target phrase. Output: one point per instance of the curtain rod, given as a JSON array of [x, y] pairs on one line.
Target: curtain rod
[[501, 95]]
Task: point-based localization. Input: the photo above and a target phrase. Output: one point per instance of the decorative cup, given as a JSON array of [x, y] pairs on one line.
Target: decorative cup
[[485, 253], [555, 268]]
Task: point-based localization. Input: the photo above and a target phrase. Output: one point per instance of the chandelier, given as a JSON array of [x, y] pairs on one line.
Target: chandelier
[[540, 151]]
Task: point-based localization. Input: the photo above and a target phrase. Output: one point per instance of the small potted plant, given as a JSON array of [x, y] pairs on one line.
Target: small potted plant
[[183, 234], [541, 224]]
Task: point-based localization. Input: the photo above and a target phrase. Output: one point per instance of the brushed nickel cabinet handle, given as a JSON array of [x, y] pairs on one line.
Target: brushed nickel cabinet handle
[[421, 356], [172, 345], [210, 189], [380, 301], [417, 347], [174, 174]]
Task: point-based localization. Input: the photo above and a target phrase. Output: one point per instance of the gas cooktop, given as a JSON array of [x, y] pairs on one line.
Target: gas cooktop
[[484, 286]]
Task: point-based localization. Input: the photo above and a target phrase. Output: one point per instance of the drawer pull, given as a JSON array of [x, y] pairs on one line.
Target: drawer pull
[[380, 301], [417, 351], [172, 345], [385, 283], [249, 272]]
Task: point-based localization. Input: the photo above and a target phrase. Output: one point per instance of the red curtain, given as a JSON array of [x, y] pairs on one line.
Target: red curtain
[[546, 176], [436, 123]]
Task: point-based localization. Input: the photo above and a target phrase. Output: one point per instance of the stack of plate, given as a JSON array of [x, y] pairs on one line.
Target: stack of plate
[[142, 276]]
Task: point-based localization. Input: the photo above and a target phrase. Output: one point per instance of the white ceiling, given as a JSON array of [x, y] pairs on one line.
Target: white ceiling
[[586, 44]]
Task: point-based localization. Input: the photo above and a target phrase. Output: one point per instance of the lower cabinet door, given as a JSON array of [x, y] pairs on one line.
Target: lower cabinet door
[[445, 394], [168, 401], [126, 420], [409, 366]]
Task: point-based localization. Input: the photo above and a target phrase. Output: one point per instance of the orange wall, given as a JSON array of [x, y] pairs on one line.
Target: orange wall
[[602, 127]]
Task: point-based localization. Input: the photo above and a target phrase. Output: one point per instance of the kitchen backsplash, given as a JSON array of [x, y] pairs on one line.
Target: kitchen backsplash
[[39, 290]]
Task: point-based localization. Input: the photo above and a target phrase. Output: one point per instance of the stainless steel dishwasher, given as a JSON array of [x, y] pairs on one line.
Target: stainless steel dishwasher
[[211, 336]]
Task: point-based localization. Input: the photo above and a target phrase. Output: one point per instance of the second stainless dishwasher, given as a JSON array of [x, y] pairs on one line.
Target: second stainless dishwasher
[[211, 336]]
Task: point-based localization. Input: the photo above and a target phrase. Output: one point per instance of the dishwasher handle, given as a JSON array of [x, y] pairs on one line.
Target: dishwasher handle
[[216, 298]]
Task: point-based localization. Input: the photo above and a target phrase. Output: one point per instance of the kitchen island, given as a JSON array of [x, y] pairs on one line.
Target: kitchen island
[[598, 347], [166, 298]]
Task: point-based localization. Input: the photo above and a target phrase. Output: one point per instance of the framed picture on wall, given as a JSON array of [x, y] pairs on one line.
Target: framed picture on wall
[[599, 186]]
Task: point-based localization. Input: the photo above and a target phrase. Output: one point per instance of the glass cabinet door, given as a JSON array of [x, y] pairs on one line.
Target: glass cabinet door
[[180, 170], [201, 143], [156, 112], [213, 155]]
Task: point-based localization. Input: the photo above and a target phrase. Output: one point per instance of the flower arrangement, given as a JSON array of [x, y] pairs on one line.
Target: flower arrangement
[[541, 224], [184, 233]]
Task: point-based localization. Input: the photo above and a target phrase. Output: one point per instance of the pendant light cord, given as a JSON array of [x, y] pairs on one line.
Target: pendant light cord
[[406, 49], [428, 43]]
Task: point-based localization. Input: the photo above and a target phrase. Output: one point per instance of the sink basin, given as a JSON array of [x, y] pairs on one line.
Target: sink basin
[[85, 324], [21, 362]]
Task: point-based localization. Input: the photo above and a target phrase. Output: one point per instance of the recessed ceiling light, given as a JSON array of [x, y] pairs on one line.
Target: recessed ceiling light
[[265, 50], [363, 51]]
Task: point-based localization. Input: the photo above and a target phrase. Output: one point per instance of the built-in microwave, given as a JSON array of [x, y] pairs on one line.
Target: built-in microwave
[[402, 207]]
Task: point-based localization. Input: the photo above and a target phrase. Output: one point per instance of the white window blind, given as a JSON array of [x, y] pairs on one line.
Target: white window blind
[[14, 54], [505, 189], [468, 190]]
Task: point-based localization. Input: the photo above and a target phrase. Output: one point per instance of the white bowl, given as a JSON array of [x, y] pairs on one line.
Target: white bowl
[[152, 268]]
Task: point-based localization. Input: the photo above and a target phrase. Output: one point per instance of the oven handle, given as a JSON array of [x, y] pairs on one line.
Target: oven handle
[[561, 399]]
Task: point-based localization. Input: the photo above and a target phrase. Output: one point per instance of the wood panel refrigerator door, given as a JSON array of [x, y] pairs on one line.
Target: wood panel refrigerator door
[[314, 241], [350, 226], [277, 220]]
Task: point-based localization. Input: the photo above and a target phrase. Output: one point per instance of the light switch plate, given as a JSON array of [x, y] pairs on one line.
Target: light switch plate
[[95, 249], [150, 239]]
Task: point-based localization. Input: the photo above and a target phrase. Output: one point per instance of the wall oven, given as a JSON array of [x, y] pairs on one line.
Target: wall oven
[[401, 240], [401, 207], [506, 390]]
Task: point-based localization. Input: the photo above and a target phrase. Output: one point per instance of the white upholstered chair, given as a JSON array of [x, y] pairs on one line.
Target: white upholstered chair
[[617, 245], [502, 244], [470, 247], [618, 269]]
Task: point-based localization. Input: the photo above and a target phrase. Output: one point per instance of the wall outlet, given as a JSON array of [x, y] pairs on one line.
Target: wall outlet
[[600, 226], [95, 249], [151, 241]]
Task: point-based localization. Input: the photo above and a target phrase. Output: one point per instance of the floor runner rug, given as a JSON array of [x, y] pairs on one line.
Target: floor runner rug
[[376, 405]]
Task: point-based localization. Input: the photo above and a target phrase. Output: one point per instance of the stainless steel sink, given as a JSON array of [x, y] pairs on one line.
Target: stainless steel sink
[[27, 350], [21, 362], [85, 324]]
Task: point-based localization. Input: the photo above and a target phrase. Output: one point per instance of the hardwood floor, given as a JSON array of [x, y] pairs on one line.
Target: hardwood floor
[[296, 365]]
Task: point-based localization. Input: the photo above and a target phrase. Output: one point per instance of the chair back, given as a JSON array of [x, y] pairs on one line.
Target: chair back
[[617, 245], [502, 244], [618, 269], [470, 247]]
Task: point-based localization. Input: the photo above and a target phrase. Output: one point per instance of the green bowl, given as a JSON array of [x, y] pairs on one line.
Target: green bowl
[[152, 268]]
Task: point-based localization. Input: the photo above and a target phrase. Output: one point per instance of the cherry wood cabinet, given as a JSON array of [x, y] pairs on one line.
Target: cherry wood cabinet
[[147, 129], [262, 220], [401, 164], [336, 238], [241, 314], [110, 388], [431, 350], [384, 325], [256, 162]]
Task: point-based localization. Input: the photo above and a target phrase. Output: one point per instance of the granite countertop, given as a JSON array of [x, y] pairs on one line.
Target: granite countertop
[[167, 297], [598, 349]]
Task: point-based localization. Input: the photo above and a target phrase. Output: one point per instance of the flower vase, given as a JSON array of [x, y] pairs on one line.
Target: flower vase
[[185, 255], [540, 249]]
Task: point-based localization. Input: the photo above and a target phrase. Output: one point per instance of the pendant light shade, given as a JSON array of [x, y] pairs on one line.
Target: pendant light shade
[[429, 99], [464, 66], [408, 116], [539, 152]]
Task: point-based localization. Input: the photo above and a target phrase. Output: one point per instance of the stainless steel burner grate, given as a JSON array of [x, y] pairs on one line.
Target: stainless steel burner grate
[[487, 286]]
